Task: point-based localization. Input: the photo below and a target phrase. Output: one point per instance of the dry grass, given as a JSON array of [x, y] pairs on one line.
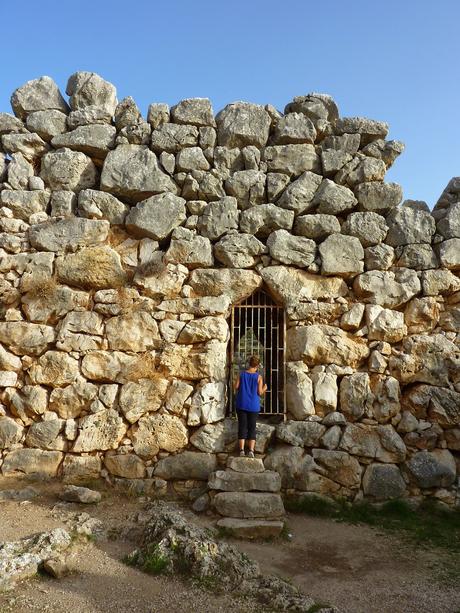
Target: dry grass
[[39, 287]]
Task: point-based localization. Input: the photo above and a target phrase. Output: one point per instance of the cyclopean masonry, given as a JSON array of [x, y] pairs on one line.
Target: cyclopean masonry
[[124, 244]]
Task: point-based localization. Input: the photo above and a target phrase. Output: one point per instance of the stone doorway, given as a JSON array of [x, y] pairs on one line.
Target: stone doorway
[[258, 326]]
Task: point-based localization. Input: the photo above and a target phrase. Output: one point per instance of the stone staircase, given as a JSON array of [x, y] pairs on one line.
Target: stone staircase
[[247, 496]]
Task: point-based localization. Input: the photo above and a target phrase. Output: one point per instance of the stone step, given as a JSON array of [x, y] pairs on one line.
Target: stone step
[[245, 465], [232, 481], [249, 505], [251, 528]]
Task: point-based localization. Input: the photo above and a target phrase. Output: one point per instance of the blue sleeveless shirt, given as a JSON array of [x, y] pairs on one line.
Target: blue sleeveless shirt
[[247, 398]]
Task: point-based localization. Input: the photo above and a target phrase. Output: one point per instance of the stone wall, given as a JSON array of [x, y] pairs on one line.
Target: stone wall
[[125, 242]]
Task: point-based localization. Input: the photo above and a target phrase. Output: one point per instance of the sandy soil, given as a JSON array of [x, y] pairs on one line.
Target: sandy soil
[[355, 568]]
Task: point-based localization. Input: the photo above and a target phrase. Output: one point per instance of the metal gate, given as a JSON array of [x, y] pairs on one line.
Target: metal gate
[[258, 327]]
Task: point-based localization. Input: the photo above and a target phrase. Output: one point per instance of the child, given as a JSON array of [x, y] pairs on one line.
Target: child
[[250, 387]]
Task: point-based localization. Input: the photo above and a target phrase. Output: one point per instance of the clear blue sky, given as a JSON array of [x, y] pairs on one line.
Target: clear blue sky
[[395, 60]]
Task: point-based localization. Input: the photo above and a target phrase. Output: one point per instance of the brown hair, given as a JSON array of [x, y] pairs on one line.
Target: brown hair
[[253, 361]]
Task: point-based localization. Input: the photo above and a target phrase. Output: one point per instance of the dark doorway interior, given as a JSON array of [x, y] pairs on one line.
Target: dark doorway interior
[[258, 328]]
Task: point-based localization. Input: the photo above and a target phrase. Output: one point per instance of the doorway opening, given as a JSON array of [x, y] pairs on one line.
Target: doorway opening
[[258, 327]]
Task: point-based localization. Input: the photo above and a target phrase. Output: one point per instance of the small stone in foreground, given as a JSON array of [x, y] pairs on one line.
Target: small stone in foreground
[[73, 493], [56, 568]]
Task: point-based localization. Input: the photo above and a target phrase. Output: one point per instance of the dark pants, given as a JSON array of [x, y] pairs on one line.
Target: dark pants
[[246, 424]]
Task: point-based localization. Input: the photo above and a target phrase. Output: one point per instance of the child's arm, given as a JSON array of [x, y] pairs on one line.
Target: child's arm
[[237, 383], [261, 387]]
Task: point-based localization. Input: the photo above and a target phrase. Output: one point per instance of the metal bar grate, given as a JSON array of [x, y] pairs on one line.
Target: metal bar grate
[[258, 327]]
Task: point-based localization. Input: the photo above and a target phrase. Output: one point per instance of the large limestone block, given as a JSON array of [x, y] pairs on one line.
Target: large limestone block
[[10, 432], [241, 123], [31, 461], [70, 401], [383, 482], [215, 438], [449, 254], [247, 186], [100, 431], [178, 393], [159, 279], [218, 218], [387, 288], [136, 331], [95, 140], [45, 435], [116, 366], [449, 225], [24, 338], [68, 234], [68, 170], [293, 464], [31, 146], [377, 196], [25, 203], [10, 123], [323, 344], [245, 464], [325, 390], [379, 442], [37, 95], [435, 468], [208, 305], [193, 111], [128, 465], [317, 226], [441, 282], [155, 432], [187, 465], [263, 219], [94, 204], [190, 363], [320, 108], [418, 256], [339, 466], [291, 250], [233, 481], [204, 329], [208, 404], [132, 171], [333, 199], [369, 227], [426, 359], [87, 89], [29, 401], [292, 160], [77, 469], [422, 314], [47, 302], [341, 255], [144, 396], [8, 361], [239, 250], [379, 257], [235, 283], [47, 123], [299, 391], [294, 128], [189, 249], [54, 368], [91, 268], [172, 138], [290, 285], [298, 195], [19, 171], [249, 505], [73, 332], [407, 225], [369, 129], [157, 216], [300, 433], [385, 324]]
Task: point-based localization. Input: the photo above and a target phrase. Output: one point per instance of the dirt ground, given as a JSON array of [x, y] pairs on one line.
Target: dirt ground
[[355, 568]]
